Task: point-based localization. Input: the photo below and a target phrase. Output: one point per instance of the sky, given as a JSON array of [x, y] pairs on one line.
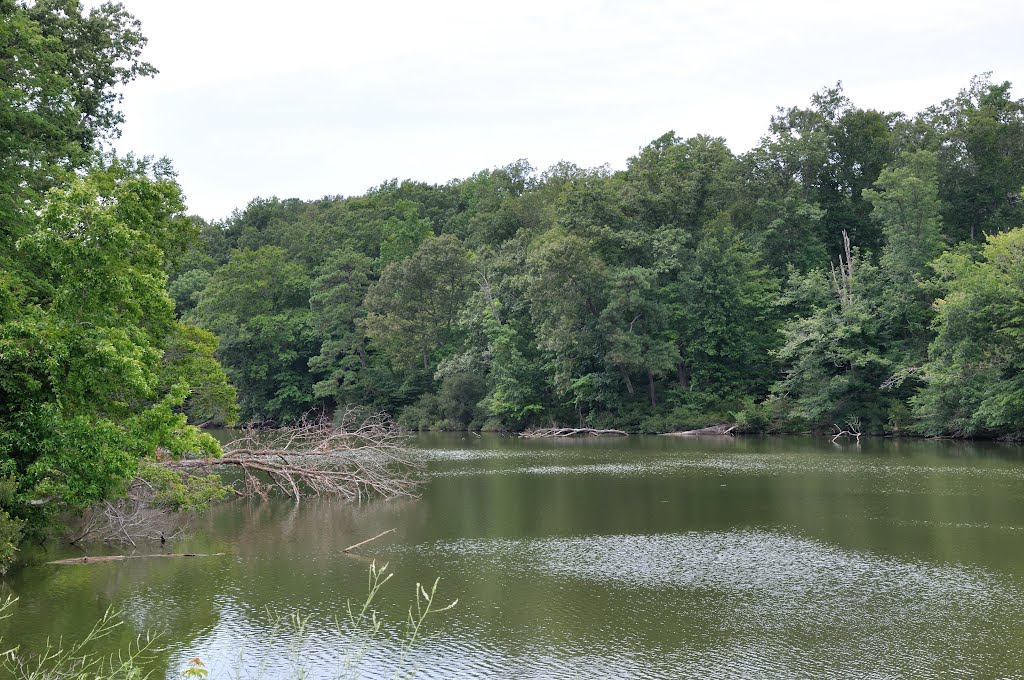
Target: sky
[[326, 97]]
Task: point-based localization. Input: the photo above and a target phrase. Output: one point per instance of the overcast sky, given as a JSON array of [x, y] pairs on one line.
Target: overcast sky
[[314, 97]]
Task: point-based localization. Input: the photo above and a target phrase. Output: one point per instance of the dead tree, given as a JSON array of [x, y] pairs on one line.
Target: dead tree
[[838, 432], [136, 518], [353, 458], [554, 432], [842, 279]]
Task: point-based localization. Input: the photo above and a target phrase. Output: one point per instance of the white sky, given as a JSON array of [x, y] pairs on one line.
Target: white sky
[[315, 97]]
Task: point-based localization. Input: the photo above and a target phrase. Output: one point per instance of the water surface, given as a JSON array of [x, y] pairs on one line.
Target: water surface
[[638, 557]]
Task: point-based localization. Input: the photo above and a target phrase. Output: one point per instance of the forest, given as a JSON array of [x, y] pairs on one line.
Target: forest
[[857, 269]]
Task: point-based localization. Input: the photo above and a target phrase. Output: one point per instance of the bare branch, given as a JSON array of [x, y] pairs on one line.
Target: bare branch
[[353, 459], [568, 432], [360, 543], [853, 431]]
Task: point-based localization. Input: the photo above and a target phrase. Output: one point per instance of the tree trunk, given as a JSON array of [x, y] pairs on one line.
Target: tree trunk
[[684, 377], [650, 389], [625, 376]]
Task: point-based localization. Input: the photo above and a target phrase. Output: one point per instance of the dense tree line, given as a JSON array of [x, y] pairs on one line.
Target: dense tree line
[[856, 267]]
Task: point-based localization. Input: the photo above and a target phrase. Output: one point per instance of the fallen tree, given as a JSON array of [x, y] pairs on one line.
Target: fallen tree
[[713, 430], [87, 559], [352, 458], [568, 432], [853, 432]]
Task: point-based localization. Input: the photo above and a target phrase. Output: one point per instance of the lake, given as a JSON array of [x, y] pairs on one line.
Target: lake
[[657, 557]]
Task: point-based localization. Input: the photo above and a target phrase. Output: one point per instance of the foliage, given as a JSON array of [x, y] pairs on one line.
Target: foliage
[[974, 377], [190, 359], [180, 491], [59, 67], [257, 304], [78, 660], [94, 370], [693, 286], [86, 392]]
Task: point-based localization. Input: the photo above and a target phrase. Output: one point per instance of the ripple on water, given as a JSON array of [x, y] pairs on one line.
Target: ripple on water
[[795, 607], [893, 477], [772, 604]]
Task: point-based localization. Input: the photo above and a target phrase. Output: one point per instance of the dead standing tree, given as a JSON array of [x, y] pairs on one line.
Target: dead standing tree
[[352, 459]]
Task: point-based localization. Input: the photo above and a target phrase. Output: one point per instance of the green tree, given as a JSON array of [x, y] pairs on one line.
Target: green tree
[[189, 358], [833, 360], [722, 316], [258, 306], [824, 156], [83, 391], [403, 232], [907, 206], [979, 139], [413, 310], [567, 289], [974, 377], [336, 303], [59, 68]]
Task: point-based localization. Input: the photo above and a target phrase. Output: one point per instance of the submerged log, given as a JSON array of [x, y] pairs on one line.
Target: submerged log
[[569, 432], [119, 558], [714, 430]]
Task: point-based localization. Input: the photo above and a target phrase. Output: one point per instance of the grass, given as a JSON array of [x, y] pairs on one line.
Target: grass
[[361, 628]]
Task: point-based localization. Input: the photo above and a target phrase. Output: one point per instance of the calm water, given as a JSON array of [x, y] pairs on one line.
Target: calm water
[[639, 557]]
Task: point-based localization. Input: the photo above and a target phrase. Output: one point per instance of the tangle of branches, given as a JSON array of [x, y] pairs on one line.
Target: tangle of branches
[[352, 458]]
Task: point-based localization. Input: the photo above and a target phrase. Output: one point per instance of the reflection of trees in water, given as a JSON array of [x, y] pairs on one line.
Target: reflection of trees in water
[[280, 555], [314, 526]]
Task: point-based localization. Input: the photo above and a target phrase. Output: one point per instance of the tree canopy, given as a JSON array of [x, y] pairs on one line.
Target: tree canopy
[[792, 287]]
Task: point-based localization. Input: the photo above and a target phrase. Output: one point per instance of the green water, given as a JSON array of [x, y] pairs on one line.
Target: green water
[[639, 557]]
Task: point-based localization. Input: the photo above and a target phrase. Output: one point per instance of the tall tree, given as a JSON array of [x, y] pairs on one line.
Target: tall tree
[[59, 69], [336, 303], [722, 314], [979, 137], [412, 311]]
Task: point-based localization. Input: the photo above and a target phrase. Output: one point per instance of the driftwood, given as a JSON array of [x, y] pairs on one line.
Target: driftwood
[[352, 460], [383, 533], [568, 432], [120, 558], [715, 430], [840, 432]]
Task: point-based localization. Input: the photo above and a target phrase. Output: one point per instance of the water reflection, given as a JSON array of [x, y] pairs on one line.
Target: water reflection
[[639, 557]]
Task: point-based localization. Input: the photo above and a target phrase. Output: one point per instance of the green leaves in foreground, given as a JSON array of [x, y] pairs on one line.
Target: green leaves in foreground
[[94, 368]]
